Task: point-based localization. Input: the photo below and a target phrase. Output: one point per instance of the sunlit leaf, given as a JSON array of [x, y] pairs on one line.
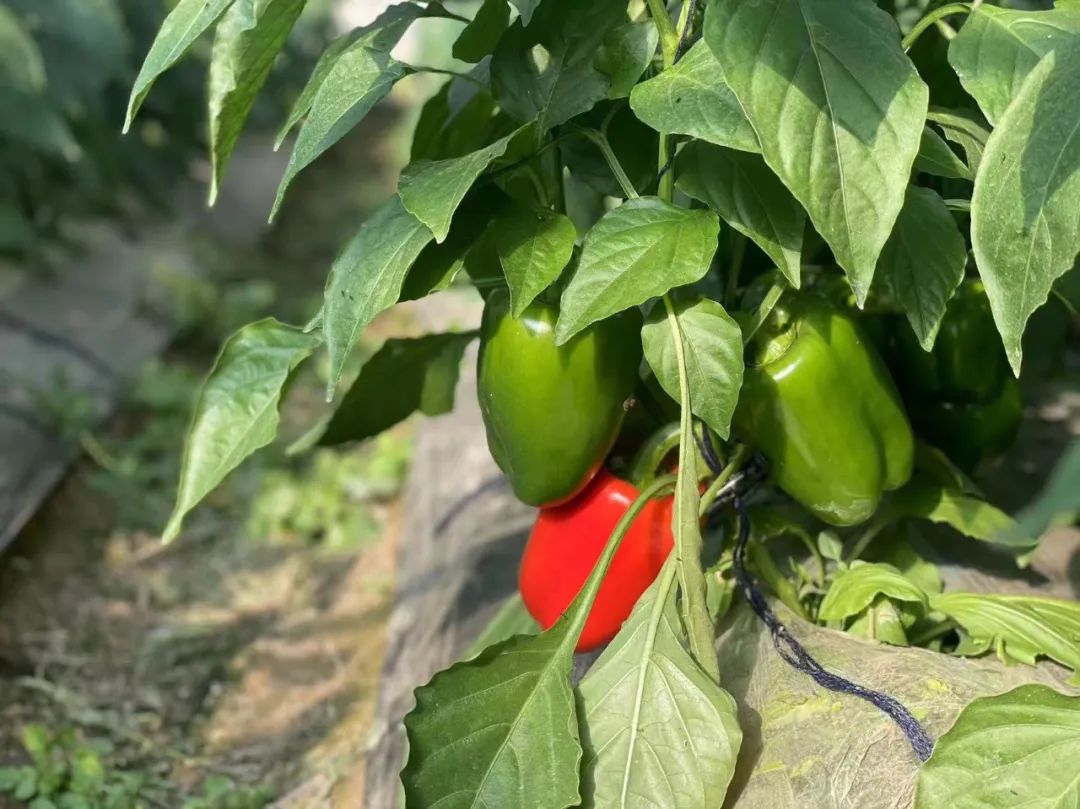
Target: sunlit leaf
[[854, 589], [967, 514], [534, 246]]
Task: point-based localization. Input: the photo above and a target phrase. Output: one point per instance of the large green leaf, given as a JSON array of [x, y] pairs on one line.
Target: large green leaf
[[639, 250], [654, 725], [967, 514], [749, 197], [837, 107], [534, 246], [856, 588], [713, 349], [1025, 231], [923, 262], [362, 74], [367, 278], [1011, 750], [937, 157], [381, 35], [237, 410], [248, 39], [481, 35], [1024, 627], [431, 190], [626, 53], [404, 376], [545, 71], [691, 98], [188, 21], [997, 48], [21, 65]]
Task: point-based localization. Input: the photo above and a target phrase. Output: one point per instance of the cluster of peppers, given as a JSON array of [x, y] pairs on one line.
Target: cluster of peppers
[[818, 401]]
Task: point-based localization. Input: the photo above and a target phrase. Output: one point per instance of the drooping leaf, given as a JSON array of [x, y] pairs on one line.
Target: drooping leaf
[[691, 98], [248, 39], [997, 48], [1024, 229], [713, 349], [406, 375], [534, 246], [749, 197], [937, 158], [188, 21], [381, 35], [481, 35], [1060, 497], [512, 619], [961, 128], [838, 110], [367, 278], [1032, 736], [431, 190], [923, 262], [545, 71], [969, 515], [639, 250], [1024, 627], [21, 64], [854, 589], [237, 409], [625, 54], [653, 723], [361, 75]]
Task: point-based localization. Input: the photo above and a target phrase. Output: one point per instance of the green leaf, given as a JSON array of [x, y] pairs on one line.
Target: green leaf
[[545, 72], [534, 247], [838, 110], [854, 589], [923, 262], [237, 409], [1024, 627], [1024, 229], [367, 278], [997, 48], [961, 128], [459, 119], [937, 157], [639, 250], [21, 65], [713, 347], [624, 55], [481, 35], [431, 190], [405, 375], [248, 40], [882, 621], [512, 619], [526, 9], [35, 123], [1060, 498], [969, 515], [635, 146], [188, 21], [691, 98], [749, 197], [381, 35], [1014, 749], [361, 75], [654, 724]]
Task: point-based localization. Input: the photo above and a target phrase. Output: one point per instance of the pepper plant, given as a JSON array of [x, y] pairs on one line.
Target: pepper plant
[[772, 234]]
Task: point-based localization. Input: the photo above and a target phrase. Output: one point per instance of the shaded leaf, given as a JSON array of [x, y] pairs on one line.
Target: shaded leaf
[[838, 110], [1060, 497], [713, 350], [746, 194], [967, 514], [481, 35], [367, 278], [237, 409], [691, 98], [1032, 736], [923, 262], [937, 158], [534, 247], [512, 619], [962, 129], [626, 52], [526, 9], [1024, 229], [639, 250], [248, 39], [856, 588], [21, 65], [459, 119]]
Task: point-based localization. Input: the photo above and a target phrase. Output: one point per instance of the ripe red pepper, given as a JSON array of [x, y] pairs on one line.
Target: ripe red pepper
[[566, 543]]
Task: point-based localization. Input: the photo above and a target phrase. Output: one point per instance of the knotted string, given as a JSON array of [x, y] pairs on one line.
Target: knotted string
[[796, 656]]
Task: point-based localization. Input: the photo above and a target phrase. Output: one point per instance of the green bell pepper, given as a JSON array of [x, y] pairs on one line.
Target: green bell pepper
[[553, 412], [819, 403]]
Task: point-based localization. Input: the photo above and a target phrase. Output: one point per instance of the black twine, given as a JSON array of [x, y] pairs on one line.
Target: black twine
[[796, 656]]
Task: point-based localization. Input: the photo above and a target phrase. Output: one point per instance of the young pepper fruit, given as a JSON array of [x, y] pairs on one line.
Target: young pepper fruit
[[962, 396], [553, 412], [819, 403], [566, 543]]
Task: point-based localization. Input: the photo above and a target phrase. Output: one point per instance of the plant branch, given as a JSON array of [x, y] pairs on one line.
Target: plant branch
[[737, 458], [443, 71], [604, 145], [669, 37], [732, 283], [768, 303], [930, 19]]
